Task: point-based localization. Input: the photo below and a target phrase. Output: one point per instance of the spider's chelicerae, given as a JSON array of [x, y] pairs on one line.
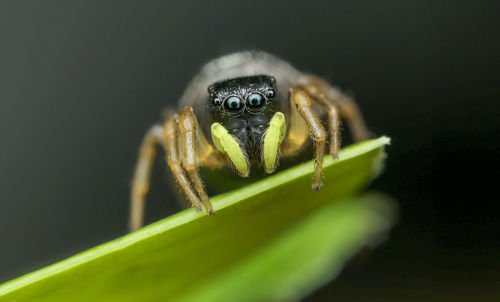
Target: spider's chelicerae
[[244, 110]]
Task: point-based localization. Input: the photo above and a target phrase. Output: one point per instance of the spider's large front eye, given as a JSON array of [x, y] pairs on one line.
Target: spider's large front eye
[[255, 100], [255, 103], [233, 103]]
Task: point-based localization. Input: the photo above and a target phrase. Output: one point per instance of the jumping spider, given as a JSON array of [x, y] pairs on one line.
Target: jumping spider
[[257, 108]]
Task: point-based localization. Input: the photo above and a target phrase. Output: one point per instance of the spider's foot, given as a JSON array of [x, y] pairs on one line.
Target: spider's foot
[[316, 186], [210, 210]]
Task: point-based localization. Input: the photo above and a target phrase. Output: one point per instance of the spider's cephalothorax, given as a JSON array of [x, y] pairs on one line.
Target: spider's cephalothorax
[[244, 106], [257, 108]]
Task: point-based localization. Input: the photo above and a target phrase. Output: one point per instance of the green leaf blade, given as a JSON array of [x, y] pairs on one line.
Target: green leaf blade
[[183, 254]]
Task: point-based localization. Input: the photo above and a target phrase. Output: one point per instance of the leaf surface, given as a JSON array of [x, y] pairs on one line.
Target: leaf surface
[[275, 239]]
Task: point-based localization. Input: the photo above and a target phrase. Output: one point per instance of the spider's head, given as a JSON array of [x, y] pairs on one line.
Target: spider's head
[[243, 96], [244, 107]]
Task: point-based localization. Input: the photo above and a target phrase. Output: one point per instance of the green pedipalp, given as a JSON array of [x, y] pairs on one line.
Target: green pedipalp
[[274, 136], [226, 143]]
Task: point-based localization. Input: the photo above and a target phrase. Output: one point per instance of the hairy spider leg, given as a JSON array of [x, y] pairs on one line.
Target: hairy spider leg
[[333, 117], [333, 123], [187, 125], [186, 147], [326, 94], [173, 160], [300, 101], [142, 174]]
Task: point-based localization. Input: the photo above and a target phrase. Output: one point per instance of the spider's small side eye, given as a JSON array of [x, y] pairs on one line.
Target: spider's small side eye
[[216, 101], [270, 93], [255, 100], [233, 103]]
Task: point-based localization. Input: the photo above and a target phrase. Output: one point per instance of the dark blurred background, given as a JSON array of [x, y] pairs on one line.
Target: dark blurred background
[[81, 82]]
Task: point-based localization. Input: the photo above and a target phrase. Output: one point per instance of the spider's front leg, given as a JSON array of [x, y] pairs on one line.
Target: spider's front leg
[[170, 132], [311, 90], [335, 102], [167, 137], [301, 105], [193, 141], [186, 146]]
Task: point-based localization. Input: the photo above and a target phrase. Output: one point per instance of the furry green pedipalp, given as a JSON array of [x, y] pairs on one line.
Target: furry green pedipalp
[[226, 143], [274, 136]]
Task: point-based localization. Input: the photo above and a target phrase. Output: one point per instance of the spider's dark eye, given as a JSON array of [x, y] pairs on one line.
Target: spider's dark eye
[[255, 100], [217, 101], [233, 103], [270, 94]]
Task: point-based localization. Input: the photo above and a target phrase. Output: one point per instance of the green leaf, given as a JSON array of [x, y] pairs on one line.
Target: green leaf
[[275, 239]]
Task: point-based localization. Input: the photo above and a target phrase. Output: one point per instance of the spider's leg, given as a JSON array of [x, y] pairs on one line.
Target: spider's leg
[[142, 175], [174, 162], [350, 111], [333, 123], [325, 93], [297, 133], [302, 102], [191, 135], [333, 117]]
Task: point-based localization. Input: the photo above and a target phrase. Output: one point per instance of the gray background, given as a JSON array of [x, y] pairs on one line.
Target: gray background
[[80, 82]]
